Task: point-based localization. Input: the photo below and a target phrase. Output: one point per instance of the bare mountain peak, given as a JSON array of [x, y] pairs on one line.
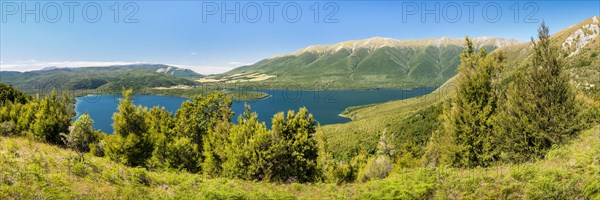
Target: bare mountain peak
[[379, 42], [579, 36]]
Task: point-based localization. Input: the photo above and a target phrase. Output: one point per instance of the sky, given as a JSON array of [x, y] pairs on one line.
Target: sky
[[216, 36]]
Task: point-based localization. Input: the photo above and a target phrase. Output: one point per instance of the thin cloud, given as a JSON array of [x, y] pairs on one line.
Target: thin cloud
[[193, 53], [206, 70], [29, 65], [236, 63]]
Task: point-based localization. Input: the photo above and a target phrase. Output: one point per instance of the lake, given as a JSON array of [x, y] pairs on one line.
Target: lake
[[325, 105]]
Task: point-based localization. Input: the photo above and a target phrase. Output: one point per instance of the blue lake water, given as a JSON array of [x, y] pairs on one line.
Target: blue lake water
[[325, 105]]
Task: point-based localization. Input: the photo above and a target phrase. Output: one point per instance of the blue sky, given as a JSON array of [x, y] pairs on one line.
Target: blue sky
[[192, 34]]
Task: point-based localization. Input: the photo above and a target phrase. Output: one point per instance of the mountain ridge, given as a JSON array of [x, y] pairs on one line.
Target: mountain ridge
[[379, 42], [362, 64], [158, 68]]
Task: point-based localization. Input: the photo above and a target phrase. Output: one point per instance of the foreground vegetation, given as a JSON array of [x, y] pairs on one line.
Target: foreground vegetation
[[34, 170]]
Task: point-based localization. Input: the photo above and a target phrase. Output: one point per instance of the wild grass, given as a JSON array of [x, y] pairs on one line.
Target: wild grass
[[32, 170]]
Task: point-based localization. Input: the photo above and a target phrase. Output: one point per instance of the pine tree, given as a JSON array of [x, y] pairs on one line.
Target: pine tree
[[295, 146], [197, 118], [131, 142], [81, 134], [10, 94], [161, 124], [53, 118], [540, 105], [468, 119], [214, 149], [245, 148]]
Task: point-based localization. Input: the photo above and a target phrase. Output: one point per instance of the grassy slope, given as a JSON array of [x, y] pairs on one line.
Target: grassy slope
[[370, 120], [31, 170], [362, 133]]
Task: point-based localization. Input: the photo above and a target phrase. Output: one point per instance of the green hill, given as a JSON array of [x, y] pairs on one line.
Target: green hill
[[362, 64], [165, 69]]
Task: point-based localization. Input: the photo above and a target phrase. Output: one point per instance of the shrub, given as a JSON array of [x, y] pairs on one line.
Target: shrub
[[81, 134], [376, 168], [7, 128]]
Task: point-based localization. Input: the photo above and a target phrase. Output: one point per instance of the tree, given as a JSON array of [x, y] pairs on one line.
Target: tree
[[295, 150], [10, 94], [196, 118], [540, 105], [161, 124], [53, 118], [82, 135], [182, 154], [131, 142], [246, 149], [467, 136], [214, 149]]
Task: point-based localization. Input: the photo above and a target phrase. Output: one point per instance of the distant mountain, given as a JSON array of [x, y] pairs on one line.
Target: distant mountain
[[48, 68], [371, 63], [165, 69], [158, 68], [109, 79]]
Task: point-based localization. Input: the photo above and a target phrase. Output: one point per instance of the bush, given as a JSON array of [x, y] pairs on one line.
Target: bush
[[376, 168], [81, 134], [79, 168], [7, 128], [139, 175], [97, 149]]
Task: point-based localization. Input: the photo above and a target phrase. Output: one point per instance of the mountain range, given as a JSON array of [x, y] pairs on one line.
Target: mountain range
[[370, 63], [110, 78]]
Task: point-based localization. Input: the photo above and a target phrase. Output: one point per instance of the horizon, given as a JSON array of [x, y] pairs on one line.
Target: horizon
[[209, 41]]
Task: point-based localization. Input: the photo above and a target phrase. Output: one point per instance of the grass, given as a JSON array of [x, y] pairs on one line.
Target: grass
[[32, 170]]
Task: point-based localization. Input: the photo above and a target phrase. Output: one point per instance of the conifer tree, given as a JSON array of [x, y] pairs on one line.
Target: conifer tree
[[246, 147], [10, 94], [53, 118], [131, 142], [161, 124], [468, 119], [196, 118], [540, 105], [81, 134], [296, 147]]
